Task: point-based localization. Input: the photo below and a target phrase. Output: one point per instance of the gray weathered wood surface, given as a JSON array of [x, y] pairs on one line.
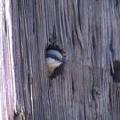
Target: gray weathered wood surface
[[7, 81], [89, 31]]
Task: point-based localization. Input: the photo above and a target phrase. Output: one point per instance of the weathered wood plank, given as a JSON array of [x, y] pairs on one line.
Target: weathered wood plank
[[7, 81], [88, 30]]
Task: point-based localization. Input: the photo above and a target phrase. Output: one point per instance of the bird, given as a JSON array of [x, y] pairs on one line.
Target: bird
[[54, 59]]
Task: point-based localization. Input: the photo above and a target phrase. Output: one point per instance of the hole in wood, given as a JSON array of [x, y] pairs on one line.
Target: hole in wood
[[115, 71], [55, 60]]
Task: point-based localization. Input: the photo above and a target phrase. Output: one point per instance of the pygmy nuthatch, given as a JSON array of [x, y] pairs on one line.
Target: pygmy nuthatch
[[54, 59]]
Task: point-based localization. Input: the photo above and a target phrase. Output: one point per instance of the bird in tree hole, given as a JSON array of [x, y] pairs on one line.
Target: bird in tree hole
[[55, 59]]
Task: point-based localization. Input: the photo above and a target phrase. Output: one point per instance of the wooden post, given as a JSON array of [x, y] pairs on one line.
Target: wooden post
[[88, 30], [7, 81]]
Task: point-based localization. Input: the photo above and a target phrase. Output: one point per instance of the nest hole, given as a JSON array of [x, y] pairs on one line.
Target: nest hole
[[59, 70]]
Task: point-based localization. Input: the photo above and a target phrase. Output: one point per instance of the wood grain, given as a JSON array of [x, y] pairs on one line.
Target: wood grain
[[7, 81], [88, 30]]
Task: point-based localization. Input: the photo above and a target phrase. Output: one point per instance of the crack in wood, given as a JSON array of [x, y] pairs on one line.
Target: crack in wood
[[115, 73], [73, 87], [19, 115]]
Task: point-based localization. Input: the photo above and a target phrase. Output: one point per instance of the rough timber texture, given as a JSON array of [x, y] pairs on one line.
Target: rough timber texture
[[7, 81], [89, 31]]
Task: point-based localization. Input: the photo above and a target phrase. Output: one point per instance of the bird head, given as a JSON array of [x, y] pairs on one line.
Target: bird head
[[54, 59]]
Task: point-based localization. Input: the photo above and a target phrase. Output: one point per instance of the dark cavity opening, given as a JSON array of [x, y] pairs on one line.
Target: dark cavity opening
[[59, 70], [115, 71]]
